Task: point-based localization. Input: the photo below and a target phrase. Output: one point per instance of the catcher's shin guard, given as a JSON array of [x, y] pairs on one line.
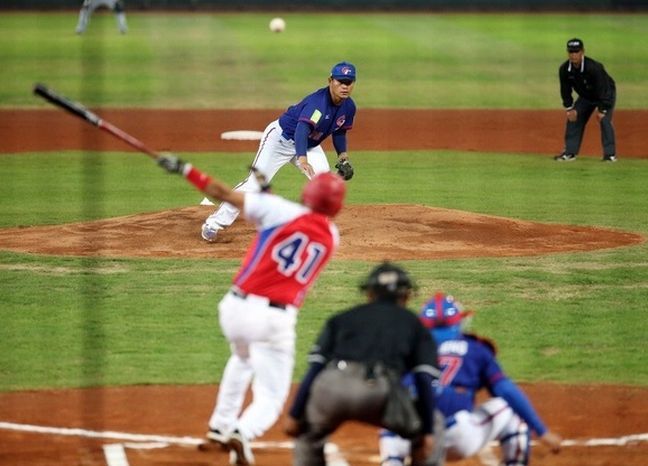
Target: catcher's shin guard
[[516, 444]]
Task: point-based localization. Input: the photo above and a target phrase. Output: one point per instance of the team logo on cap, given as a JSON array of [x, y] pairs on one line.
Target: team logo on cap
[[346, 70]]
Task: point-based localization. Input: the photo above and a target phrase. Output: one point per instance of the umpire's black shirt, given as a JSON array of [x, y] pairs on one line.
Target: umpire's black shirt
[[380, 331], [590, 81]]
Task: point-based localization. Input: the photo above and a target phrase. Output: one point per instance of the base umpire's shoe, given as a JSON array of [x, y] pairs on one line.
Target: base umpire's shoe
[[210, 232], [565, 157], [240, 450], [609, 158], [216, 439]]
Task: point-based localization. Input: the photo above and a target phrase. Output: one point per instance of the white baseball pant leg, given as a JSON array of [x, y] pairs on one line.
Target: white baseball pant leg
[[88, 7], [493, 420], [263, 350], [274, 152]]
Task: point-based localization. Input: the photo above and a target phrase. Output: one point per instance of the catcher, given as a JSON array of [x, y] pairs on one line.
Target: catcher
[[468, 364], [296, 137]]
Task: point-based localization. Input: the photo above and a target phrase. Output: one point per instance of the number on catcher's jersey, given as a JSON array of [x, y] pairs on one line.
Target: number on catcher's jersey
[[450, 365], [288, 255]]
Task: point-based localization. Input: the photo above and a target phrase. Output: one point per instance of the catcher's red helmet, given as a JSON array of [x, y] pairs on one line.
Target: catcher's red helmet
[[442, 311], [324, 193]]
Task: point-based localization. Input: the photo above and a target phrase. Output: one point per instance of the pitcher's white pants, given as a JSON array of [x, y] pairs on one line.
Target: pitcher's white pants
[[274, 152]]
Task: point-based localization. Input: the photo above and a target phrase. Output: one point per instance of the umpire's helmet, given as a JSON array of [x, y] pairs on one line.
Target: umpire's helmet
[[388, 281], [324, 193]]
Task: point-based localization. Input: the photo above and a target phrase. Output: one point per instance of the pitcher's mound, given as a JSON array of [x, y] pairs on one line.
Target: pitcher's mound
[[368, 232]]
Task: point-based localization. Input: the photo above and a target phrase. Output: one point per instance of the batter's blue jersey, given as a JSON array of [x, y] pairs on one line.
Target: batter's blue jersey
[[468, 364], [324, 117]]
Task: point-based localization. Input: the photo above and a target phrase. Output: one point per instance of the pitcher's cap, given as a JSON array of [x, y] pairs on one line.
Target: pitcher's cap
[[343, 70], [575, 45]]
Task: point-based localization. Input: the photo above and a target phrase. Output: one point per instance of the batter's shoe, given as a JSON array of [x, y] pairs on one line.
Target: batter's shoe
[[565, 157], [395, 461], [210, 232], [216, 440], [240, 450], [609, 158]]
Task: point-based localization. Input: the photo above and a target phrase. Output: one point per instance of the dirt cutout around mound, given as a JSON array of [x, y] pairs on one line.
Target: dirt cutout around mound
[[368, 232]]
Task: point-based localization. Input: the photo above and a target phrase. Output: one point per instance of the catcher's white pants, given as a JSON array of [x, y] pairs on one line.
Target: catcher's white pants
[[473, 431], [274, 152], [262, 341]]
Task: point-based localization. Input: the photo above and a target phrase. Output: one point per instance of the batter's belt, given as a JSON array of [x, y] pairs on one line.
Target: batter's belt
[[241, 294]]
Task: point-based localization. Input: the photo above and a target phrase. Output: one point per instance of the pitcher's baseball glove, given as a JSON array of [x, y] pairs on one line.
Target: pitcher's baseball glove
[[344, 169]]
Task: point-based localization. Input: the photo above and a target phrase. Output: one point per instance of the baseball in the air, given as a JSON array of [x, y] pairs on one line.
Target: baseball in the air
[[277, 25]]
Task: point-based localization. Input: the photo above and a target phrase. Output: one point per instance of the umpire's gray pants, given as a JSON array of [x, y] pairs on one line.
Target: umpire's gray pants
[[339, 393], [575, 130]]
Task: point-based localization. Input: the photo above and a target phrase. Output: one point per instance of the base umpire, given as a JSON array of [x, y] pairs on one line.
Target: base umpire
[[596, 90]]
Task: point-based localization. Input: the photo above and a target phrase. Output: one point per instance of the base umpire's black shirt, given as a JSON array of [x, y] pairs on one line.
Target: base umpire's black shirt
[[590, 81]]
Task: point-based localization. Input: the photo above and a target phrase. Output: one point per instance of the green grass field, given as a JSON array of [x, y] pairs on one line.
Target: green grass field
[[233, 61], [71, 322]]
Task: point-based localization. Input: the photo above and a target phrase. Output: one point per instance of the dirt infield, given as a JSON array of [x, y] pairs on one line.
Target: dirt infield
[[604, 416], [159, 425]]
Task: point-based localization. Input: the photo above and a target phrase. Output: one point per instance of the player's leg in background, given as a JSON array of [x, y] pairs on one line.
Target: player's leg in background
[[270, 157], [317, 159], [574, 130], [84, 16], [120, 15]]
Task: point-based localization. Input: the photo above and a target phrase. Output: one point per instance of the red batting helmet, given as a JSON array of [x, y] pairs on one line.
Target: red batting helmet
[[324, 193]]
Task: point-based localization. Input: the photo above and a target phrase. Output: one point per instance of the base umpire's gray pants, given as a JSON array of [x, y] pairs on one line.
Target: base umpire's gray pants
[[575, 130]]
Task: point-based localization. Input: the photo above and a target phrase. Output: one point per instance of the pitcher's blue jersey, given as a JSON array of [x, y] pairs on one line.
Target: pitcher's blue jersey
[[468, 364], [318, 110]]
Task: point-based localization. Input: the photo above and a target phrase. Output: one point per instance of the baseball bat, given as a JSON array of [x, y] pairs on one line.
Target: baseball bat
[[75, 108]]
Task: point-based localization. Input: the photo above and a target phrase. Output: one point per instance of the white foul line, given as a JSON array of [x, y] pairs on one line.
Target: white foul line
[[116, 455], [116, 451]]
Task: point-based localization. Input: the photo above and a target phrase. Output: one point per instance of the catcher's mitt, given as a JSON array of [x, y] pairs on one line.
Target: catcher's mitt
[[344, 169]]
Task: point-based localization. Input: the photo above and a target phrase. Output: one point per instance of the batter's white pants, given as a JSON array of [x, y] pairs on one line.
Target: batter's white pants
[[262, 341], [471, 432], [274, 152]]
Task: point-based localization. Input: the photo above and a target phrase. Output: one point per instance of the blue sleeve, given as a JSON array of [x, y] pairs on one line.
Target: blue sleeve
[[301, 137], [505, 388], [426, 401], [339, 141], [301, 397]]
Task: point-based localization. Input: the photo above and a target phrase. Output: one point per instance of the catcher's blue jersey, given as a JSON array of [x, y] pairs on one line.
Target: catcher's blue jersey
[[468, 364], [318, 110]]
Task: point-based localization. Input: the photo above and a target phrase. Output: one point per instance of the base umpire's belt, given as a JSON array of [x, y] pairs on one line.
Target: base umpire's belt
[[241, 294]]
